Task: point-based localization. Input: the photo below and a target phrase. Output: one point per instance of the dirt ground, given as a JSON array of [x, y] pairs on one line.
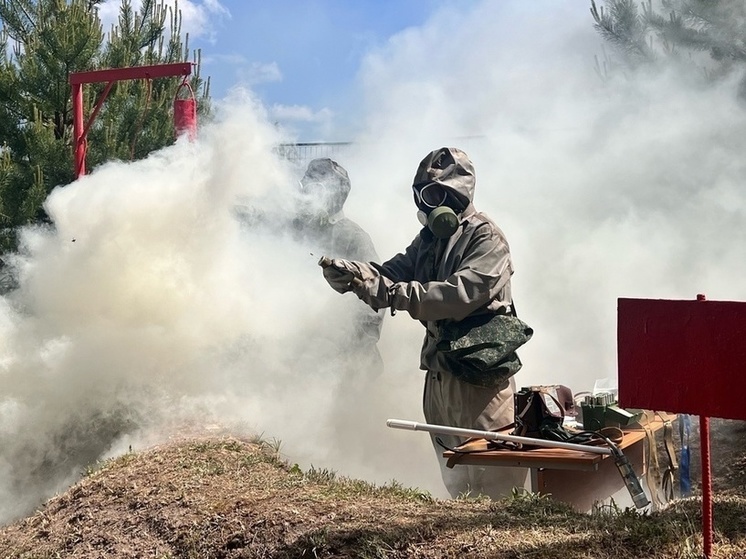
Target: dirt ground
[[727, 456], [223, 497]]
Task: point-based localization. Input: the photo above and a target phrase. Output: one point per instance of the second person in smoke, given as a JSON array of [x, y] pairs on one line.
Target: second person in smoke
[[458, 266], [321, 224]]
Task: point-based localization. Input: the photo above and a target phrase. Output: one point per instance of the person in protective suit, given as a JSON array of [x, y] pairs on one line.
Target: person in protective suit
[[458, 266], [320, 224]]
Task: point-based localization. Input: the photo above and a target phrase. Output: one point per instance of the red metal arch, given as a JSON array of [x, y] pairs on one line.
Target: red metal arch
[[77, 79]]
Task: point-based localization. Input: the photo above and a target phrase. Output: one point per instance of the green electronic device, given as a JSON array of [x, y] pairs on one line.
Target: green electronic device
[[601, 410]]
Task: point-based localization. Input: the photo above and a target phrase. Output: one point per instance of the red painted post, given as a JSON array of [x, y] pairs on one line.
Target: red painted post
[[704, 445], [78, 137]]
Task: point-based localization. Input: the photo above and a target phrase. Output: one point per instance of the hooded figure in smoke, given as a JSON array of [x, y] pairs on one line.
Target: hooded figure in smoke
[[324, 189], [321, 225], [458, 266]]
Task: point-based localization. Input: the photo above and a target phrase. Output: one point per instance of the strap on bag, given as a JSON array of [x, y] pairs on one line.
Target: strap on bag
[[661, 481], [653, 473], [669, 474], [685, 484]]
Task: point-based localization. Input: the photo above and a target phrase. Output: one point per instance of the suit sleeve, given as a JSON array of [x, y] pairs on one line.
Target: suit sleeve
[[484, 269]]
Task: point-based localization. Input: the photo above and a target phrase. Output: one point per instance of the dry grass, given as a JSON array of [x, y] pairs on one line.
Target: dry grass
[[229, 498]]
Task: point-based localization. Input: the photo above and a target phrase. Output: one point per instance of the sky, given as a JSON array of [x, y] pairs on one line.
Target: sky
[[147, 308], [300, 59]]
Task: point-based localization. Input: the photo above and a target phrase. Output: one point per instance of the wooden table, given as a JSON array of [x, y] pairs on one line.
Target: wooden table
[[582, 479]]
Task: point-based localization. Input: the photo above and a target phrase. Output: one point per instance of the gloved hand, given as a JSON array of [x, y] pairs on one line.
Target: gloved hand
[[339, 276], [374, 294], [340, 280]]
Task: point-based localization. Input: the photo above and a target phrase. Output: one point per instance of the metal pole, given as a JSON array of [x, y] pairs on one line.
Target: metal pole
[[704, 438], [492, 436], [78, 136], [704, 445]]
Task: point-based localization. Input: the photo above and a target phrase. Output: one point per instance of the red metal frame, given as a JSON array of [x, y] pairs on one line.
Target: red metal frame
[[77, 79]]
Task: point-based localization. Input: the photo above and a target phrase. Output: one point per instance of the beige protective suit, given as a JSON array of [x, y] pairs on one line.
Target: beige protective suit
[[438, 280]]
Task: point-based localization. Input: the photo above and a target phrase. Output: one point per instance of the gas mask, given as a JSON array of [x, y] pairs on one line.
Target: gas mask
[[439, 218]]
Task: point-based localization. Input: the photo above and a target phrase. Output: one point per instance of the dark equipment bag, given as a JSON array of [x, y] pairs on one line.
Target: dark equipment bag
[[539, 414], [481, 349]]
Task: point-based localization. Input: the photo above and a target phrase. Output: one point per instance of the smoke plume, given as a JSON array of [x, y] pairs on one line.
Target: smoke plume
[[172, 293]]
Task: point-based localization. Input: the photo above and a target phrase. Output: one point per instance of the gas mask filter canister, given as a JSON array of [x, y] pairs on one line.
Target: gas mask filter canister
[[442, 221]]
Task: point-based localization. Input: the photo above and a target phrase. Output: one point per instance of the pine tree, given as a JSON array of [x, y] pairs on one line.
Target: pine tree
[[622, 25], [708, 37], [136, 118], [42, 42]]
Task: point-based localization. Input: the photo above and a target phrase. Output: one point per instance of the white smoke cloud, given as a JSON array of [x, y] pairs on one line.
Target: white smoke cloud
[[148, 305], [630, 188]]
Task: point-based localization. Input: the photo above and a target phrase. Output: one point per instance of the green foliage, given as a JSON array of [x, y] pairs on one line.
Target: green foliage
[[705, 37], [41, 43], [622, 25], [717, 27], [136, 118]]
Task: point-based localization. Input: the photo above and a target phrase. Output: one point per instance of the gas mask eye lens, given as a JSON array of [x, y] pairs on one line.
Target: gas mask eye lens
[[431, 195]]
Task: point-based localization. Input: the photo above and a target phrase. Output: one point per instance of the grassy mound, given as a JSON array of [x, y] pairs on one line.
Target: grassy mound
[[230, 498]]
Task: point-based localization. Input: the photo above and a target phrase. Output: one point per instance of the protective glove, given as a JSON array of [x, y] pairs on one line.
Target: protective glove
[[374, 294], [339, 276], [340, 280]]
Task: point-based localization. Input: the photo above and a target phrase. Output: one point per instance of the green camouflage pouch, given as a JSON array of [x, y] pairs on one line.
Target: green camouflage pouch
[[481, 350]]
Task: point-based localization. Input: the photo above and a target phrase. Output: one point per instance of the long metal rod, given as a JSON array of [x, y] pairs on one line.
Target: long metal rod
[[492, 436]]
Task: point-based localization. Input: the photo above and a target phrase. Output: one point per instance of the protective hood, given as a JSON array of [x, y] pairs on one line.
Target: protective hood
[[325, 185], [452, 169]]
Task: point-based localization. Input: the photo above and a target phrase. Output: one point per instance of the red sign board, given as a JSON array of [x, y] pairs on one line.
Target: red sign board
[[683, 356]]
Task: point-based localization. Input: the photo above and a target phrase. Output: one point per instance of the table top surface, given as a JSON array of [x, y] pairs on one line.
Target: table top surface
[[476, 451]]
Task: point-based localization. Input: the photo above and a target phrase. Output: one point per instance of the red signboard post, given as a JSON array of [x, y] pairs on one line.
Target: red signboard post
[[684, 357]]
